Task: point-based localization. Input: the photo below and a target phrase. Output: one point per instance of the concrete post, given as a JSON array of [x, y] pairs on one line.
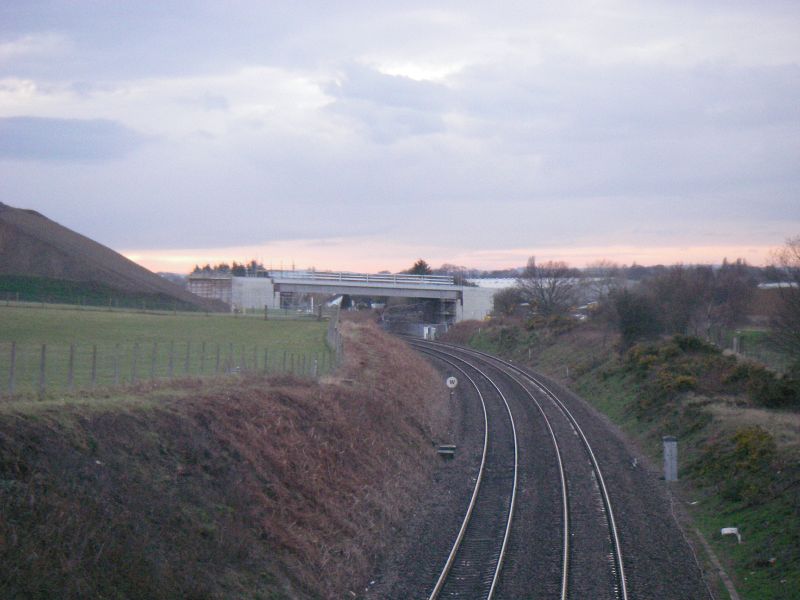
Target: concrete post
[[670, 458]]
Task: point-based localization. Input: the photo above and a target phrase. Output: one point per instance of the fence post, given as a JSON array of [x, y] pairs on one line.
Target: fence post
[[153, 361], [255, 358], [231, 359], [42, 376], [303, 367], [266, 360], [314, 369], [71, 368], [292, 363], [135, 365], [283, 369], [216, 368], [202, 358], [171, 360], [116, 365], [12, 367], [186, 360]]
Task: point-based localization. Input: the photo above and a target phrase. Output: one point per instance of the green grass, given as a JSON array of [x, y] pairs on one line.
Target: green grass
[[21, 288], [125, 345], [755, 344], [769, 543]]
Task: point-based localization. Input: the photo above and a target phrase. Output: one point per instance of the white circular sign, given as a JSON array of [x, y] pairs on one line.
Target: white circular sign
[[451, 382]]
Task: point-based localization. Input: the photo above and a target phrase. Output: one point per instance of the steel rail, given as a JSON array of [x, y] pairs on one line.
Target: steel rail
[[616, 545], [512, 501], [563, 482], [457, 544]]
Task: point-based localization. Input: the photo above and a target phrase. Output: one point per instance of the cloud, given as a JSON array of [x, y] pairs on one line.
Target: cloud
[[495, 127], [33, 46], [43, 139]]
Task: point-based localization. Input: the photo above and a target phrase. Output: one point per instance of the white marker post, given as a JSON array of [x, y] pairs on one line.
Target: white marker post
[[670, 458], [451, 382]]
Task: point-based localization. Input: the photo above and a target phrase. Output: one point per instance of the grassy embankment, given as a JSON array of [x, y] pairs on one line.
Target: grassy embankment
[[238, 341], [235, 487], [738, 428]]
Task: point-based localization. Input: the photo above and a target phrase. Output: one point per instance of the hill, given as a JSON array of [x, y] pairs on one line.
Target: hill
[[32, 247]]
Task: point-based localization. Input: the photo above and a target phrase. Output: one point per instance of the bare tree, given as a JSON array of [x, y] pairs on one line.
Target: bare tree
[[603, 278], [550, 287], [786, 321]]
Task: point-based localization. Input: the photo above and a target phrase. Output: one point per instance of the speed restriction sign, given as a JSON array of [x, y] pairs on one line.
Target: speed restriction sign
[[451, 382]]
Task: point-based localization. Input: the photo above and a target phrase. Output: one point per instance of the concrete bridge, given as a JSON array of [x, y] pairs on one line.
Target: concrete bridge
[[456, 302]]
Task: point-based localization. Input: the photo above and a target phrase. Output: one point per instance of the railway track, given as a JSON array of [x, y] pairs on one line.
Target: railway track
[[475, 561], [589, 548]]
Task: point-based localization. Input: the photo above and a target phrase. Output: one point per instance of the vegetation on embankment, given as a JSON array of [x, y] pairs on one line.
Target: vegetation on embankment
[[246, 487], [738, 426]]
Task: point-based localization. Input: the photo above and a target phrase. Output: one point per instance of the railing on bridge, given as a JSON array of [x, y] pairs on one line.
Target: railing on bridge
[[403, 279]]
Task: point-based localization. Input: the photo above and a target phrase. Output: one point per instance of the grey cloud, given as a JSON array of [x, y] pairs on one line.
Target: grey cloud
[[43, 139], [389, 107]]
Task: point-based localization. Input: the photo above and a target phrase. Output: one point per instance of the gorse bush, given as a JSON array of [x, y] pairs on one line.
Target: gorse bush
[[666, 370], [740, 465]]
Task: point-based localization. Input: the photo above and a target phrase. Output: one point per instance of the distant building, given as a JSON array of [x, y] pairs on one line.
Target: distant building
[[237, 292]]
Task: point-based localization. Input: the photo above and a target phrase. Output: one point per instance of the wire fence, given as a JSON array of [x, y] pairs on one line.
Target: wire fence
[[151, 308], [333, 338], [751, 344], [42, 368]]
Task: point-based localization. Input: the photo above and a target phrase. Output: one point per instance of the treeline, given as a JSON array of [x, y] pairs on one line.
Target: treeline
[[645, 302], [250, 269]]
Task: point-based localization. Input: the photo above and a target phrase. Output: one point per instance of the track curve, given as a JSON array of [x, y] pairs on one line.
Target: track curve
[[591, 559]]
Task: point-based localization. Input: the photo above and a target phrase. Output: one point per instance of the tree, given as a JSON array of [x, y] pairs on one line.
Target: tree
[[238, 270], [731, 294], [419, 268], [603, 277], [786, 321], [680, 293], [507, 301], [549, 288], [636, 316]]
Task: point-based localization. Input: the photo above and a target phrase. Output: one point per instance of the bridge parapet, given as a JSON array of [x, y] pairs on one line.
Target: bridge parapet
[[380, 278]]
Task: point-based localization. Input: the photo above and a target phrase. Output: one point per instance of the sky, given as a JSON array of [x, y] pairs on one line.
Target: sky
[[357, 135]]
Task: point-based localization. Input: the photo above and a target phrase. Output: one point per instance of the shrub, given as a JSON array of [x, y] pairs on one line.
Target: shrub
[[741, 465], [690, 343]]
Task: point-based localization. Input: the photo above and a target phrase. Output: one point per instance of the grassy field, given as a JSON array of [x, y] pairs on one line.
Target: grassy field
[[20, 288], [128, 346]]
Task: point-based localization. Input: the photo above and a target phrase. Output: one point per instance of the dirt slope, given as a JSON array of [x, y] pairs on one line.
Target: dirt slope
[[33, 245], [270, 488]]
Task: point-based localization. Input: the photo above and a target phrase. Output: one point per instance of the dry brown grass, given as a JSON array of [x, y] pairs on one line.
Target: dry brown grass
[[784, 426], [264, 488]]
